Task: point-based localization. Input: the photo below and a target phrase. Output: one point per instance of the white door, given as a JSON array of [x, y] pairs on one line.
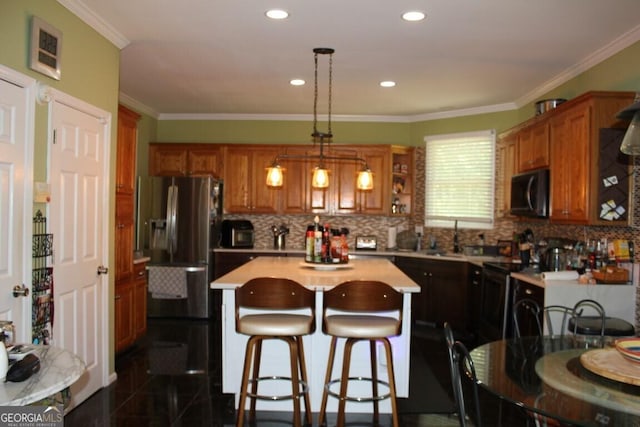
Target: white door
[[79, 220], [16, 146]]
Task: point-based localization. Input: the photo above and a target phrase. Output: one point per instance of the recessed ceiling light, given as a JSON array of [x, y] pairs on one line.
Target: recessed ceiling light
[[297, 82], [277, 14], [387, 83], [413, 16]]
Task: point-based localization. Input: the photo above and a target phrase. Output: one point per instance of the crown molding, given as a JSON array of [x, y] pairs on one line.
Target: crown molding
[[89, 17]]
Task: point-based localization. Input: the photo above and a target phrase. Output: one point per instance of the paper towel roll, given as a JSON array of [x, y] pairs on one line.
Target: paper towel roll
[[391, 238], [560, 275]]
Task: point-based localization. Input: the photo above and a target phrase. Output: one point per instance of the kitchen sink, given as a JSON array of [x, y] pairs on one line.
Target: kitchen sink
[[438, 252]]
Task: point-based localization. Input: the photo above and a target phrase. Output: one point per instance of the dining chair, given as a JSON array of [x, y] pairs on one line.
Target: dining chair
[[460, 362], [361, 310], [527, 318], [274, 308]]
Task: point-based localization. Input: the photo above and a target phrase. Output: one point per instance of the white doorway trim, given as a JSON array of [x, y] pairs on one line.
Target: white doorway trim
[[29, 85]]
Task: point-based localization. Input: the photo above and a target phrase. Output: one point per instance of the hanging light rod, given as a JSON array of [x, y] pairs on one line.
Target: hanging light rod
[[320, 179]]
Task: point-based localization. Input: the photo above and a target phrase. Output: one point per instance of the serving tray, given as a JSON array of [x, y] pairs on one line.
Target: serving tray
[[325, 267], [609, 363]]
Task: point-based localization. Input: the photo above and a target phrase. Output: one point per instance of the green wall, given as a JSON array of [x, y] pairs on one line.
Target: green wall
[[90, 70]]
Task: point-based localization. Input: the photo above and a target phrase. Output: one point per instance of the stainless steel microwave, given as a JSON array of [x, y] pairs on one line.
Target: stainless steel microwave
[[236, 233], [530, 194]]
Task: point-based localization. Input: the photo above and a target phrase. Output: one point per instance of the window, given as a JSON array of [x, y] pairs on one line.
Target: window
[[459, 179]]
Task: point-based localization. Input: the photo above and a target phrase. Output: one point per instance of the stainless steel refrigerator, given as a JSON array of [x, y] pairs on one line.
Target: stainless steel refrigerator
[[178, 225]]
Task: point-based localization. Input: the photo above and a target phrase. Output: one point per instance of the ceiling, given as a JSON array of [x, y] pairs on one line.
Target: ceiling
[[224, 58]]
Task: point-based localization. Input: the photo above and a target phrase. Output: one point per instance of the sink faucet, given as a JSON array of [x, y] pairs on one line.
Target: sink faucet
[[456, 247]]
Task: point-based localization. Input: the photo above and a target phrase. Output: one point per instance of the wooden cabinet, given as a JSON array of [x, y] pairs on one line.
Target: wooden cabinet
[[126, 150], [123, 312], [569, 173], [139, 294], [344, 196], [129, 313], [567, 140], [243, 167], [575, 156], [443, 296], [533, 146], [402, 180], [166, 159], [245, 185], [130, 309], [506, 155]]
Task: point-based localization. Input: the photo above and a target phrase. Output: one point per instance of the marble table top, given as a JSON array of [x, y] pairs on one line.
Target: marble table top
[[59, 369]]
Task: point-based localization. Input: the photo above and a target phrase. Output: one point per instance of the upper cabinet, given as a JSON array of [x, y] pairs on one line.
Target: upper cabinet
[[243, 167], [507, 149], [533, 146], [579, 142], [126, 150], [581, 157], [167, 159], [245, 180]]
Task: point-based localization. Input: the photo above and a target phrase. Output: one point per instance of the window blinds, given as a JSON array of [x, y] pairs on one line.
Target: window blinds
[[459, 180]]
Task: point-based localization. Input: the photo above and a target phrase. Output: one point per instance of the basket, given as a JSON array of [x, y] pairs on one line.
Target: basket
[[611, 275]]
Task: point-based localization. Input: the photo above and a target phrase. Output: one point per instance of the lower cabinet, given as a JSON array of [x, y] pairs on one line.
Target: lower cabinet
[[523, 290], [123, 310], [444, 291], [474, 283], [130, 308]]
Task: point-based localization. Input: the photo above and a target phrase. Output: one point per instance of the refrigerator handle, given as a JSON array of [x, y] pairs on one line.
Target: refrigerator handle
[[173, 235], [167, 229]]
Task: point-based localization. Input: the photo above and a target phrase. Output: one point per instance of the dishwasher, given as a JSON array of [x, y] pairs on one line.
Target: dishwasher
[[496, 300]]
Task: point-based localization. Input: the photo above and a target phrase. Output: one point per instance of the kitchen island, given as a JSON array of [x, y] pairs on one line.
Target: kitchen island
[[274, 360]]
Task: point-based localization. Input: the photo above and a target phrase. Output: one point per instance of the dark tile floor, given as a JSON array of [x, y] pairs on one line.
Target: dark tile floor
[[152, 388]]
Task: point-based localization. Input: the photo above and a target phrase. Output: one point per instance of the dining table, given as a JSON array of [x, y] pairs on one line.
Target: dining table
[[560, 378]]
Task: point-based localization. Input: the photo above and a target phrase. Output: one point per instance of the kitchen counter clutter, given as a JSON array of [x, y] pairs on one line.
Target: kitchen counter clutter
[[317, 344]]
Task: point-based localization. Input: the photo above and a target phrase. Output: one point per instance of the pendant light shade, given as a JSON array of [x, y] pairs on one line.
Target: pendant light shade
[[275, 175], [631, 141], [320, 177], [365, 179]]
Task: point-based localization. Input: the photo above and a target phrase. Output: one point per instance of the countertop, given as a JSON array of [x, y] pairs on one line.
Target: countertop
[[474, 259], [318, 277]]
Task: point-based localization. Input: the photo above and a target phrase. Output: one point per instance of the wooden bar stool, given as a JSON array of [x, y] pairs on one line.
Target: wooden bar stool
[[361, 311], [289, 313]]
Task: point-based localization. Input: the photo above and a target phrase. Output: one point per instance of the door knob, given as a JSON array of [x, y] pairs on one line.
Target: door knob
[[20, 291], [102, 270]]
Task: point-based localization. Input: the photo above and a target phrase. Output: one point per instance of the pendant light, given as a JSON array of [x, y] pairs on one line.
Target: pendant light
[[631, 141], [320, 178]]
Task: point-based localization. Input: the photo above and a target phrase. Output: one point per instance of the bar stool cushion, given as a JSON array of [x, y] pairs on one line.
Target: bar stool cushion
[[613, 326], [361, 326], [280, 324]]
